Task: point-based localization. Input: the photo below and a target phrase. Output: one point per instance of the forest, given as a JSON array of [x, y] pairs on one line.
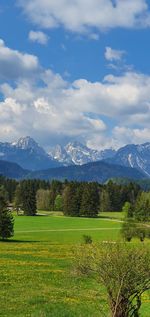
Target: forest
[[79, 199]]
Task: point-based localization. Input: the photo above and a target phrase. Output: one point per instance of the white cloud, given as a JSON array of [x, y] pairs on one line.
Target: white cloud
[[83, 16], [14, 64], [58, 109], [39, 37], [11, 118], [127, 135], [113, 55], [94, 36]]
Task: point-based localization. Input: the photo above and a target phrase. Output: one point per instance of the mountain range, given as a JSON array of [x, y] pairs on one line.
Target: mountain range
[[96, 171], [135, 156], [27, 153], [75, 153], [74, 159]]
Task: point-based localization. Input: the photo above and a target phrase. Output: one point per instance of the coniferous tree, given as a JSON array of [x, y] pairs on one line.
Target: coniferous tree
[[70, 200], [17, 203], [114, 191], [90, 200], [105, 204], [28, 198], [133, 192], [6, 218]]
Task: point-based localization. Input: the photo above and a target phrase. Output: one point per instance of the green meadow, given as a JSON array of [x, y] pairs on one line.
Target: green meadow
[[36, 268]]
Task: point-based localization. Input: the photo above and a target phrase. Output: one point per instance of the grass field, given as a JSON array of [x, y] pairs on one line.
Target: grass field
[[36, 276]]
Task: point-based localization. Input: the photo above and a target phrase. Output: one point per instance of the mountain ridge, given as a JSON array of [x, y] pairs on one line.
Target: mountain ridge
[[27, 153], [99, 171], [95, 171], [31, 156], [12, 170], [79, 154], [135, 156]]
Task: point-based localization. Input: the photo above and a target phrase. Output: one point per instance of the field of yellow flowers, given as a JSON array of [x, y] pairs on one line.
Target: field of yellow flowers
[[36, 272]]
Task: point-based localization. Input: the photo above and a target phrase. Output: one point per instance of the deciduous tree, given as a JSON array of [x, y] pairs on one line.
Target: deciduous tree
[[123, 269]]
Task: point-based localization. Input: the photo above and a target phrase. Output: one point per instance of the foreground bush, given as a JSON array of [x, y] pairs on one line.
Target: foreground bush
[[123, 269]]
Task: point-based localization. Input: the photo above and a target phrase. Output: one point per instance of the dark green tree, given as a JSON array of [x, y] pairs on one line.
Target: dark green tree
[[70, 200], [17, 203], [90, 200], [28, 193], [142, 207], [6, 217], [105, 204]]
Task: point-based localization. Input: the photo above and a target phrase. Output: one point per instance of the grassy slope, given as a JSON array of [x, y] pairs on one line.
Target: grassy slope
[[35, 270], [40, 227]]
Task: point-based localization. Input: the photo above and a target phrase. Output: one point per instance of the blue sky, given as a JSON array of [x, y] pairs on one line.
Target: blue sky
[[75, 70]]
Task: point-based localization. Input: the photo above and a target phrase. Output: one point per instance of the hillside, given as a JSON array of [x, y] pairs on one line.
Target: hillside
[[12, 170], [27, 153], [135, 156], [97, 171]]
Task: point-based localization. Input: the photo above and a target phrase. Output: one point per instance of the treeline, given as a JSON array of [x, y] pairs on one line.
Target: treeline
[[73, 198]]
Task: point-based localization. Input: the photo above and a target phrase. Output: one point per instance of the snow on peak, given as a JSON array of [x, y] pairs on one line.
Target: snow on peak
[[78, 154], [27, 143]]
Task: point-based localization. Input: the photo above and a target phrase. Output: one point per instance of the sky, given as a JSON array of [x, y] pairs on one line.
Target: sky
[[75, 70]]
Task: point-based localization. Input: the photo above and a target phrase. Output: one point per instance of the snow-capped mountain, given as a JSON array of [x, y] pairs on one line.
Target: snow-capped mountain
[[135, 156], [27, 153], [27, 143], [78, 154], [31, 156], [59, 154]]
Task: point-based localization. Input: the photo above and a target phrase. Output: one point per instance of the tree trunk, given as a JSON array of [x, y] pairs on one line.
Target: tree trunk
[[120, 309]]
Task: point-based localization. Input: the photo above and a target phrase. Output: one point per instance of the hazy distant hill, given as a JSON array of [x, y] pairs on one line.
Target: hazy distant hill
[[143, 183], [12, 170], [97, 171]]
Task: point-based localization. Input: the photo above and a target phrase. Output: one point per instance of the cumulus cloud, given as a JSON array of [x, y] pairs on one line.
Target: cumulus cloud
[[113, 55], [83, 16], [127, 135], [59, 109], [12, 118], [14, 64], [39, 37], [56, 109]]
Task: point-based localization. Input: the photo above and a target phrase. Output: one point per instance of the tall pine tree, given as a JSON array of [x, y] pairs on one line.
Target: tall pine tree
[[90, 200], [28, 193], [70, 200], [6, 217]]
